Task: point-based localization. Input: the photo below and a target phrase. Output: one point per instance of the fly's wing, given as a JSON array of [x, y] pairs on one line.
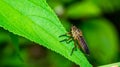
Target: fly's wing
[[83, 44]]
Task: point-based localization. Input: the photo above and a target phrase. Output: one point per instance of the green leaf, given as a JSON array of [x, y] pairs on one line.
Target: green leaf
[[107, 5], [3, 36], [57, 60], [111, 65], [15, 42], [83, 9], [34, 20]]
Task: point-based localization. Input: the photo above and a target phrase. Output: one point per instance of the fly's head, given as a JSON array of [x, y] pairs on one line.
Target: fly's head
[[73, 28]]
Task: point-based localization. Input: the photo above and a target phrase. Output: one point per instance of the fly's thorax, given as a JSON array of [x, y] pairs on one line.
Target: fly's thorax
[[75, 32]]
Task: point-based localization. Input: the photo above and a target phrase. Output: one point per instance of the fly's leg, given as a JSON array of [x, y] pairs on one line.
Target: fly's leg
[[73, 48], [66, 34], [67, 40]]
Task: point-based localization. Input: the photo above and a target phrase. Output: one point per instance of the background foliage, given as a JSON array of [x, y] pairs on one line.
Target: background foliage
[[34, 20]]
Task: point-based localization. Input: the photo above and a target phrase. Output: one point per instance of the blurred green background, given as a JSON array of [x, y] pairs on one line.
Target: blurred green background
[[99, 22]]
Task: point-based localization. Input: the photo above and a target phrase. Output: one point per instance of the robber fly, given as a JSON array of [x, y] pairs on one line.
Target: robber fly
[[76, 35]]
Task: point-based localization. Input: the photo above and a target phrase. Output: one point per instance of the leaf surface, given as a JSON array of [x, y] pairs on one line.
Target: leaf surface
[[34, 20]]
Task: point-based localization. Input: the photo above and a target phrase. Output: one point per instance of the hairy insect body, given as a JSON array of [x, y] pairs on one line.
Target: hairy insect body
[[75, 32], [77, 35]]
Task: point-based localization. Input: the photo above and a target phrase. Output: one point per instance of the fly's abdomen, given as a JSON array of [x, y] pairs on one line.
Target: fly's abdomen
[[83, 44]]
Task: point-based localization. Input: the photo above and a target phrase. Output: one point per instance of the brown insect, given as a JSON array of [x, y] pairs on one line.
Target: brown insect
[[76, 35]]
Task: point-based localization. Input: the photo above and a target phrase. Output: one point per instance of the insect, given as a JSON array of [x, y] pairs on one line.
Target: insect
[[76, 35]]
